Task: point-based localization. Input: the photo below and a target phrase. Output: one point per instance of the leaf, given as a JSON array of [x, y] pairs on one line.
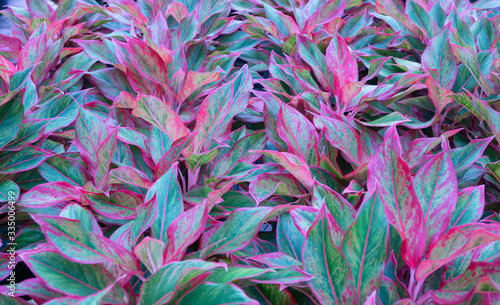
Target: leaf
[[268, 184], [421, 18], [387, 120], [111, 82], [147, 61], [150, 253], [145, 215], [235, 273], [48, 194], [103, 157], [439, 62], [72, 278], [114, 207], [194, 81], [298, 133], [98, 50], [80, 62], [59, 112], [8, 189], [159, 142], [160, 115], [310, 53], [170, 204], [39, 8], [276, 260], [185, 230], [289, 238], [341, 136], [236, 232], [59, 168], [295, 165], [37, 290], [332, 282], [479, 277], [98, 297], [28, 158], [455, 242], [392, 176], [160, 287], [75, 242], [86, 218], [465, 156], [436, 188], [365, 247], [30, 132], [90, 133], [470, 60], [240, 152], [213, 294], [11, 117], [65, 8], [219, 107], [342, 64], [341, 210], [469, 207], [186, 31], [129, 175], [321, 14]]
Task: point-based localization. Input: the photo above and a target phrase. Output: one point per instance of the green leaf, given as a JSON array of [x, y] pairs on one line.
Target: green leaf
[[235, 273], [236, 232], [326, 263], [290, 239], [436, 187], [170, 204], [160, 115], [59, 168], [310, 53], [470, 60], [365, 247], [463, 157], [73, 278], [150, 252], [73, 240], [387, 120], [469, 207], [240, 152], [215, 294], [26, 159], [9, 189], [103, 156], [160, 287], [11, 117]]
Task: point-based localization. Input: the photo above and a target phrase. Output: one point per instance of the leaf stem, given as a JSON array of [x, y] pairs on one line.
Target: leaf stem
[[418, 287], [424, 299], [411, 285]]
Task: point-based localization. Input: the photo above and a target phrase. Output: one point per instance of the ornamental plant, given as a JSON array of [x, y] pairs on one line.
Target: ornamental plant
[[251, 152]]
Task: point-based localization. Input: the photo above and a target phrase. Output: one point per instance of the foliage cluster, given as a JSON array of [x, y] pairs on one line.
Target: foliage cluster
[[252, 152]]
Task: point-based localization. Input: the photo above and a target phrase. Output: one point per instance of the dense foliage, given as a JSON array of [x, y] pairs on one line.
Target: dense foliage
[[251, 152]]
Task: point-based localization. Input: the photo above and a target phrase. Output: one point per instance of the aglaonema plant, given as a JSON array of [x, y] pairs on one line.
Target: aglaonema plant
[[251, 152]]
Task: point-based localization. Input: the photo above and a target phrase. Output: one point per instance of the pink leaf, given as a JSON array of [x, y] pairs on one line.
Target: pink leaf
[[342, 63], [48, 194], [392, 176]]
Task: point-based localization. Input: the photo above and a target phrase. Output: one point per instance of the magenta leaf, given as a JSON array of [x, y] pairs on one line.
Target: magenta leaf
[[391, 175], [455, 242], [436, 189], [49, 194], [298, 133]]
